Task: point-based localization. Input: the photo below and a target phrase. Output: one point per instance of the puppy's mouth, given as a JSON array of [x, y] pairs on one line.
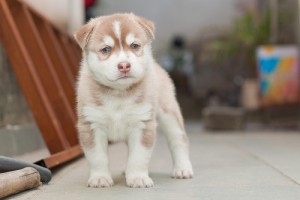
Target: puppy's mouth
[[124, 76], [121, 77]]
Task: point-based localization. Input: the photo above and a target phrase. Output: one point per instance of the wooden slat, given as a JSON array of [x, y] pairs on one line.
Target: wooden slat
[[46, 62], [76, 49], [52, 45], [64, 110], [28, 77], [66, 53], [49, 79], [61, 157], [61, 69], [72, 56]]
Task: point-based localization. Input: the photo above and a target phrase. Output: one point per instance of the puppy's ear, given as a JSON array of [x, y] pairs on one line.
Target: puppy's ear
[[147, 25], [83, 35]]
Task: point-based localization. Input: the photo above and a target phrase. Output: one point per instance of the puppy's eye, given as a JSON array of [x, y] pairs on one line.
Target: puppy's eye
[[105, 50], [135, 46]]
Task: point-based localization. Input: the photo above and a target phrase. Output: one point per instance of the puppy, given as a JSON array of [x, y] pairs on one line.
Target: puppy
[[122, 93]]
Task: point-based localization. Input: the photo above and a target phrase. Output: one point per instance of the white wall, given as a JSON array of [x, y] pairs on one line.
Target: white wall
[[187, 17], [66, 14]]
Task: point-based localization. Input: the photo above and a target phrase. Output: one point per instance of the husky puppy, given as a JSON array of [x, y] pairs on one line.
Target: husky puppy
[[122, 94]]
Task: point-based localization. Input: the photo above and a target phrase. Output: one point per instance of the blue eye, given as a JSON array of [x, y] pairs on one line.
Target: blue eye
[[105, 50], [134, 46]]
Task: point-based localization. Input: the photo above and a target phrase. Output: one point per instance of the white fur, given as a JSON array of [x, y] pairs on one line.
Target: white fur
[[98, 160], [130, 38], [107, 71], [117, 32], [108, 41], [179, 149], [119, 120], [138, 162], [118, 117]]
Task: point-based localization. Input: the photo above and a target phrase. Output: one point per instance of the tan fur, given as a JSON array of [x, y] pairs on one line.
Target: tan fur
[[149, 134], [82, 36], [86, 135], [84, 97], [167, 101], [103, 26]]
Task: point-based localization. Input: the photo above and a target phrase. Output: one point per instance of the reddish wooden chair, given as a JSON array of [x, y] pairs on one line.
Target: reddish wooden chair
[[46, 62]]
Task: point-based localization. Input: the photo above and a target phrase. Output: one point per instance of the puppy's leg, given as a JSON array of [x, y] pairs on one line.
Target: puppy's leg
[[140, 146], [94, 144], [172, 124]]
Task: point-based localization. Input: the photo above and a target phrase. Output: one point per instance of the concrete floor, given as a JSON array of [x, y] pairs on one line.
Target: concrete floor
[[228, 165]]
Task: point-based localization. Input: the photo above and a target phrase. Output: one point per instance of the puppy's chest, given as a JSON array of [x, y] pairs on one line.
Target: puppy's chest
[[118, 117]]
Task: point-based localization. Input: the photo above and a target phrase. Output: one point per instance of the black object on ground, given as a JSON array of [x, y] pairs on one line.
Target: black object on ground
[[9, 164]]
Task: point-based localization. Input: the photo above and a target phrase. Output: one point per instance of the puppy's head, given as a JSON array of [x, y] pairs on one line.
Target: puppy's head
[[117, 48]]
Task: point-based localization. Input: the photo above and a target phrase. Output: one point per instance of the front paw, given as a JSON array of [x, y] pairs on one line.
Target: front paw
[[100, 182], [182, 173], [141, 181]]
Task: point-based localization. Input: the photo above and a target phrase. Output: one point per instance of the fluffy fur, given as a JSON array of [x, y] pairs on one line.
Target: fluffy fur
[[114, 105]]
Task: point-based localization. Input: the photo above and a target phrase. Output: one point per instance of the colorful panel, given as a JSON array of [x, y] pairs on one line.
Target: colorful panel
[[279, 75]]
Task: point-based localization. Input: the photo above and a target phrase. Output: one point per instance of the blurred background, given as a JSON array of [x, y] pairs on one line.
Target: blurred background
[[234, 62]]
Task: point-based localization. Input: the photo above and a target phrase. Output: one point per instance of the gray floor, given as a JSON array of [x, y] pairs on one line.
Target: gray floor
[[241, 165]]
